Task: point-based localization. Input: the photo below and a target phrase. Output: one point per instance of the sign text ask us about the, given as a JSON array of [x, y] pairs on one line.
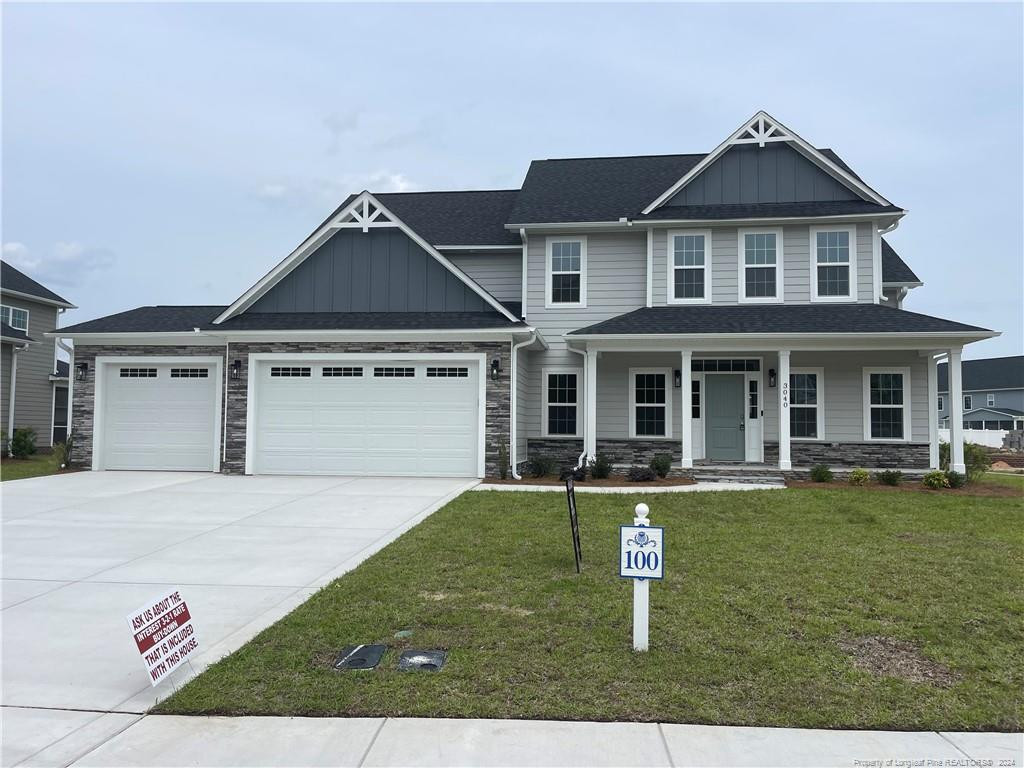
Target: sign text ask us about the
[[164, 634]]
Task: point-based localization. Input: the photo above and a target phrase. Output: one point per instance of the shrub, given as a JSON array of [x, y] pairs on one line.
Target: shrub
[[821, 474], [503, 461], [539, 466], [977, 459], [935, 480], [601, 468], [661, 464], [955, 479], [640, 475], [23, 443], [890, 477], [859, 477]]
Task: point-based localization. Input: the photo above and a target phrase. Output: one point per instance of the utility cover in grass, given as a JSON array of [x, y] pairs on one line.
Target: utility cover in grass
[[431, 660], [359, 656]]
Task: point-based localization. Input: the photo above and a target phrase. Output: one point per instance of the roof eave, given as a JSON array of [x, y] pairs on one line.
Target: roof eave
[[978, 335], [626, 223], [38, 299]]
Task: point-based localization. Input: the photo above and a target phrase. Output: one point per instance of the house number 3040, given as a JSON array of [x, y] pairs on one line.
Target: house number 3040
[[785, 394]]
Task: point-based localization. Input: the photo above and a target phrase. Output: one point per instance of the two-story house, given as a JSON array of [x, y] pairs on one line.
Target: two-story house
[[737, 306], [33, 380], [993, 393]]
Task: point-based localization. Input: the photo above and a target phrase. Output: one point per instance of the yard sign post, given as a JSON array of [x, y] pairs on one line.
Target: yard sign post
[[641, 558]]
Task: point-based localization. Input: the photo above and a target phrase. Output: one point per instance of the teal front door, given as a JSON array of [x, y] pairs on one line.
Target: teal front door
[[723, 432]]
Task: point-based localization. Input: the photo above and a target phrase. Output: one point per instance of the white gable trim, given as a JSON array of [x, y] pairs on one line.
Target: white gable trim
[[755, 131], [365, 212]]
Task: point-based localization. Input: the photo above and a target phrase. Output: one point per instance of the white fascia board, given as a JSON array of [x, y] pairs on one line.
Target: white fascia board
[[811, 153], [775, 341], [634, 224], [219, 337], [37, 299], [909, 284], [16, 340]]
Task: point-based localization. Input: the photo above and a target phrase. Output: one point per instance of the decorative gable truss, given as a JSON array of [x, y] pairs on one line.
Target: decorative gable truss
[[363, 212], [764, 129]]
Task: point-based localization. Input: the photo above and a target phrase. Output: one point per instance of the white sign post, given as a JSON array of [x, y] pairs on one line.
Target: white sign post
[[164, 635], [641, 558]]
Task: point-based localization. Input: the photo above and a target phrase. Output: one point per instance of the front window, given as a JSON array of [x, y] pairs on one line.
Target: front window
[[689, 273], [833, 275], [888, 404], [561, 403], [566, 273], [968, 402], [805, 406], [760, 274], [14, 317], [651, 414]]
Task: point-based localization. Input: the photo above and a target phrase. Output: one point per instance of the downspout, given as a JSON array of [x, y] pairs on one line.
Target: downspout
[[10, 394], [224, 405], [513, 387], [583, 456]]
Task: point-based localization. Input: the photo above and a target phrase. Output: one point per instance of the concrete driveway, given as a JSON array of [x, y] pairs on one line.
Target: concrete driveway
[[81, 551]]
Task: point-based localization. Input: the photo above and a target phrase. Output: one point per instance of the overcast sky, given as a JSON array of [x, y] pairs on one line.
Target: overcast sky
[[171, 154]]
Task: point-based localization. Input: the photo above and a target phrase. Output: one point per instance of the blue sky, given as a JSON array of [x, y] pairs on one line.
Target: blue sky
[[171, 154]]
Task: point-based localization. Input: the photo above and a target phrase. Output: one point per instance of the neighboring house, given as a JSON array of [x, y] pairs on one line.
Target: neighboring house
[[624, 305], [33, 381], [993, 393]]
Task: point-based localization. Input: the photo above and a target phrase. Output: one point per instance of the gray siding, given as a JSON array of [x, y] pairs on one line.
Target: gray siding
[[1006, 398], [377, 271], [775, 173], [501, 274], [34, 390], [527, 395]]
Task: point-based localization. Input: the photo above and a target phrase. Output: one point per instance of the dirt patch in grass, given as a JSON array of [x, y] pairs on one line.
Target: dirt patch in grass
[[614, 480], [889, 657], [915, 486]]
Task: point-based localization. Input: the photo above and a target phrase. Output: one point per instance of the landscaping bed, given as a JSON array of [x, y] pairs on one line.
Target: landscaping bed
[[603, 482], [990, 485], [808, 607]]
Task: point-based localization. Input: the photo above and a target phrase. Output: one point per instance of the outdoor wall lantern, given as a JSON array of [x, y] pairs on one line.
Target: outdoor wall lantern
[[236, 369], [495, 368], [80, 371], [677, 378], [771, 378]]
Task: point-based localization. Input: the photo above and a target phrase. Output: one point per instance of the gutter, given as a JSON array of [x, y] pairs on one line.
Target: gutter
[[513, 386], [626, 223]]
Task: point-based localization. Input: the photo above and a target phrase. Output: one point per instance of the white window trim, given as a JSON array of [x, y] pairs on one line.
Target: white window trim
[[28, 317], [968, 402], [548, 243], [813, 248], [670, 264], [990, 400], [555, 369], [820, 406], [780, 260], [669, 387], [866, 387], [941, 403]]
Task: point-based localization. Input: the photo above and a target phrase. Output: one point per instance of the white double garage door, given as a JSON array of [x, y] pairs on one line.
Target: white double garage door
[[316, 415]]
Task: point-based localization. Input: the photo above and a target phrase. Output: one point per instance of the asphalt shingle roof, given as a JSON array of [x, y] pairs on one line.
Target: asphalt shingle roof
[[781, 318], [990, 373], [766, 210], [12, 279], [894, 269], [13, 333]]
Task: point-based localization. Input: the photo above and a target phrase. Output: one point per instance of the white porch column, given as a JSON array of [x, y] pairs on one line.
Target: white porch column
[[956, 413], [933, 411], [590, 404], [783, 382], [686, 372]]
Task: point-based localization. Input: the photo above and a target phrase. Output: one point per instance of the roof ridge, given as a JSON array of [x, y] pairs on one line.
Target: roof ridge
[[447, 192]]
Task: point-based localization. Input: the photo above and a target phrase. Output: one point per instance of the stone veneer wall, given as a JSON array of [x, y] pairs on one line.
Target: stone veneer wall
[[865, 455], [566, 452]]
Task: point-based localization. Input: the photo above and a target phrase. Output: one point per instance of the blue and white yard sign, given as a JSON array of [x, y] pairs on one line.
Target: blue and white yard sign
[[641, 552]]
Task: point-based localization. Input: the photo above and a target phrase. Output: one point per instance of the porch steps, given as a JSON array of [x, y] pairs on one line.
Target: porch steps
[[738, 477]]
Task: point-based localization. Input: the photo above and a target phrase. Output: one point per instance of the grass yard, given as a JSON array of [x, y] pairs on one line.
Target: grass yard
[[815, 608], [35, 466], [1004, 479]]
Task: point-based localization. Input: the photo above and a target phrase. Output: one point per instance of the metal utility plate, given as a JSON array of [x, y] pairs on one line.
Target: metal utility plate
[[359, 656], [430, 660]]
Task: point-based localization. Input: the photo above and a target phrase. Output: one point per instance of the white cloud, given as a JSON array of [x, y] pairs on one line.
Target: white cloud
[[66, 263], [320, 194]]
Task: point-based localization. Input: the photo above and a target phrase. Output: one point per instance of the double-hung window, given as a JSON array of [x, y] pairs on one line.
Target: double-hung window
[[941, 403], [990, 400], [887, 403], [561, 412], [761, 259], [565, 274], [14, 317], [968, 402], [650, 402], [833, 264], [689, 267], [806, 404]]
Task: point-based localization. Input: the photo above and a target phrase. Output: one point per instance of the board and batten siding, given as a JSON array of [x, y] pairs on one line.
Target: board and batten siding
[[500, 274]]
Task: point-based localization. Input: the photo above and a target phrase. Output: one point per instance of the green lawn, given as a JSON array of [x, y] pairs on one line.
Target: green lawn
[[36, 466], [763, 591], [1011, 481]]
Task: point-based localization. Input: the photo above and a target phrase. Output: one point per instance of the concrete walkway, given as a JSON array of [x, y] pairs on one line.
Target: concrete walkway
[[279, 741]]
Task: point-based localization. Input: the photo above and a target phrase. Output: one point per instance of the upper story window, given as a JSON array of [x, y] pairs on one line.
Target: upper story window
[[990, 400], [941, 403], [565, 273], [968, 402], [14, 317], [833, 264], [760, 253], [689, 267]]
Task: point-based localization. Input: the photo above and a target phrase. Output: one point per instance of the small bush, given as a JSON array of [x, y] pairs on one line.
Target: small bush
[[661, 464], [977, 459], [601, 468], [821, 474], [936, 480], [640, 475], [890, 477], [859, 477], [539, 466], [955, 479], [23, 443], [503, 461]]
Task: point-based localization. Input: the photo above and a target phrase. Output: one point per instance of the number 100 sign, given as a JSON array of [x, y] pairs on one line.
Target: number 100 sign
[[641, 552]]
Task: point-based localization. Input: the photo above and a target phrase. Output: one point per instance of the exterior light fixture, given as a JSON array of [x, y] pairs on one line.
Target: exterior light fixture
[[81, 370], [495, 368], [236, 369], [771, 378], [677, 378]]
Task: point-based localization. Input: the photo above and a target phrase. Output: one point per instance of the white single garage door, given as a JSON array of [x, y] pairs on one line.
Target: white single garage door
[[367, 417], [159, 416]]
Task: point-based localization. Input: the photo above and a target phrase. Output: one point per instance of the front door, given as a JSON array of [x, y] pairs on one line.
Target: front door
[[724, 430]]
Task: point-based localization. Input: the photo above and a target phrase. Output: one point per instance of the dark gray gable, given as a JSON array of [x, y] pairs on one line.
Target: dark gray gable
[[775, 173], [382, 270]]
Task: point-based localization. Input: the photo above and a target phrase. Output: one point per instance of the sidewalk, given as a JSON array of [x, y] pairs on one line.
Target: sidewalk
[[156, 740]]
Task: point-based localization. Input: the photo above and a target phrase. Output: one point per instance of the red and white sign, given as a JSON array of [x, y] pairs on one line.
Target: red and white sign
[[164, 634]]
